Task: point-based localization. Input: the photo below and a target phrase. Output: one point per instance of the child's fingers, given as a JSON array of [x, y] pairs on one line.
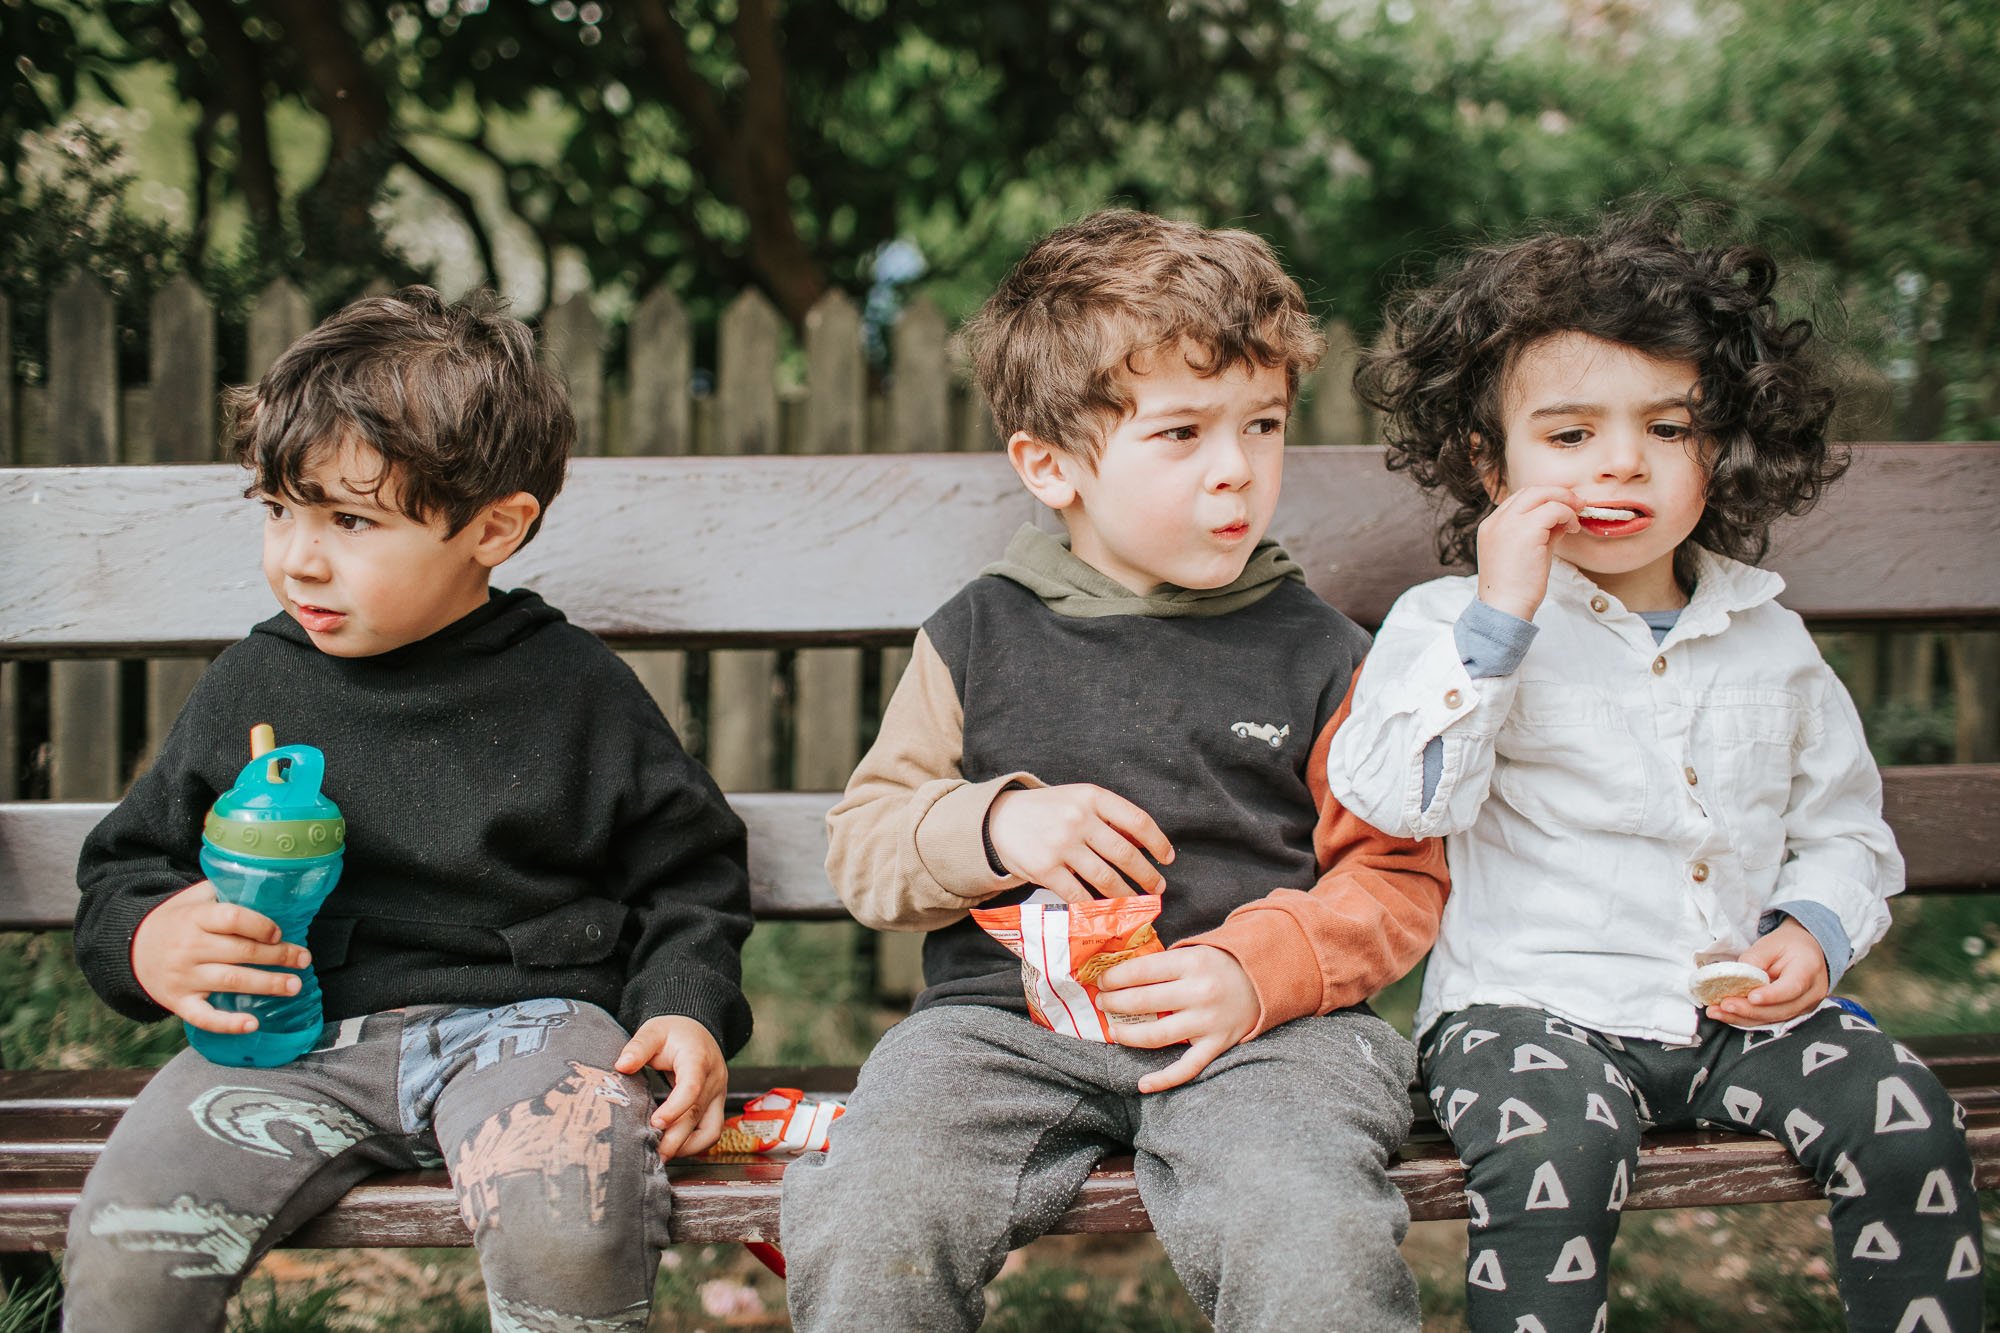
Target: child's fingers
[[1067, 887], [1108, 843], [243, 980], [1134, 823], [688, 1086], [707, 1132], [1094, 870], [676, 1133], [250, 953], [1783, 988], [232, 919], [638, 1052], [197, 1011], [1145, 970], [1188, 1067]]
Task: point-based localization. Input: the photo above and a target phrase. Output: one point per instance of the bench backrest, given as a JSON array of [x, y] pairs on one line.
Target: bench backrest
[[858, 549]]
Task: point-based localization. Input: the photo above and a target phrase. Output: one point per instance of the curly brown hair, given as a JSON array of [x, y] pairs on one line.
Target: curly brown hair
[[1051, 346], [1762, 398]]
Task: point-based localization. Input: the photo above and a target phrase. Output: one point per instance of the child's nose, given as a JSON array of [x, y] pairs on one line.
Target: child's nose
[[1623, 454], [1229, 467], [303, 557]]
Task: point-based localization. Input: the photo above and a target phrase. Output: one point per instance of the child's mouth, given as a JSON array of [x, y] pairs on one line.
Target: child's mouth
[[317, 618], [1231, 532], [1613, 520]]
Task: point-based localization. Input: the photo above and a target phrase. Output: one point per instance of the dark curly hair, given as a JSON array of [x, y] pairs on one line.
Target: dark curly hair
[[1761, 400]]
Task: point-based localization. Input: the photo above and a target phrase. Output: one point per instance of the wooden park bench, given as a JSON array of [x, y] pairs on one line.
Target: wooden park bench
[[796, 552]]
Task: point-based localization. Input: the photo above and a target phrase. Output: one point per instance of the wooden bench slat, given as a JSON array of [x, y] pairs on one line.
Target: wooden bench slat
[[1946, 817], [47, 1151], [861, 548], [727, 1201]]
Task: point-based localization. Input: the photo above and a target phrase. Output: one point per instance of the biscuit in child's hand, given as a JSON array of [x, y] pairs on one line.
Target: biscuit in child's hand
[[1718, 981]]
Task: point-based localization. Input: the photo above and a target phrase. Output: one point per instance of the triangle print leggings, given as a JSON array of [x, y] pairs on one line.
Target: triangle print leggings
[[1547, 1116]]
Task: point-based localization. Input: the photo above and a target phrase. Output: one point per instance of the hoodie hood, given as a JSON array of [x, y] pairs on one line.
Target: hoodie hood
[[505, 620], [1042, 563]]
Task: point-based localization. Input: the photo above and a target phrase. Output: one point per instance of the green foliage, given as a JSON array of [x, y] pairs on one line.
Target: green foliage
[[690, 145], [34, 1308], [1041, 1298], [260, 1308], [52, 1020]]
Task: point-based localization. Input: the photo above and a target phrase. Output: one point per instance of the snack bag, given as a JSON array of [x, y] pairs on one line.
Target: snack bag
[[781, 1120], [1065, 947]]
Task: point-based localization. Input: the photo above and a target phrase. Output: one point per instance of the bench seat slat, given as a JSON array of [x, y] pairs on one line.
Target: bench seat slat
[[727, 1201], [1946, 817], [45, 1152]]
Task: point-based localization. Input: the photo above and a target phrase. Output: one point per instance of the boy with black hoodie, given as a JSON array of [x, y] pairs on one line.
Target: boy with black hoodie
[[1144, 706], [543, 895]]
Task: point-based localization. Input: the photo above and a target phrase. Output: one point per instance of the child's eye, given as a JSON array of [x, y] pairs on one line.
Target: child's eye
[[352, 522], [1267, 426], [1179, 434], [273, 510], [1672, 430], [1571, 438]]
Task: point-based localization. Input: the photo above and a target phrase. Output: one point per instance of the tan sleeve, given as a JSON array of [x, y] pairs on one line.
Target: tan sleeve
[[906, 845], [1370, 917]]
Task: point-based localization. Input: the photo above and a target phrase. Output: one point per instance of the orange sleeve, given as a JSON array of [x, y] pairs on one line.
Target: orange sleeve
[[1369, 919]]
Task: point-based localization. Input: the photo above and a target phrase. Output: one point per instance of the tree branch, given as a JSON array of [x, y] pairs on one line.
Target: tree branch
[[468, 211], [241, 66]]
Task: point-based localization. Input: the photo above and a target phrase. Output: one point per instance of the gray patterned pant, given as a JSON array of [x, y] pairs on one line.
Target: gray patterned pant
[[1547, 1117], [971, 1129], [549, 1150]]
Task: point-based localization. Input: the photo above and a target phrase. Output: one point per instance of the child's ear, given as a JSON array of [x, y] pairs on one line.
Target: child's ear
[[1048, 472], [1487, 461], [501, 527]]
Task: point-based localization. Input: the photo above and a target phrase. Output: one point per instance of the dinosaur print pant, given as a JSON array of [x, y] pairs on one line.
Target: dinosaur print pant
[[549, 1150], [1547, 1117]]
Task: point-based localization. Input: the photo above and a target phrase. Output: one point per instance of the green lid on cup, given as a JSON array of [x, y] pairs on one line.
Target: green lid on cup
[[276, 810]]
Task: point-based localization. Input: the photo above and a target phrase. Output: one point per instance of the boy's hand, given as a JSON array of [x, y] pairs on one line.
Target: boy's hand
[[1203, 997], [1068, 840], [191, 946], [690, 1119], [1798, 979], [1517, 541]]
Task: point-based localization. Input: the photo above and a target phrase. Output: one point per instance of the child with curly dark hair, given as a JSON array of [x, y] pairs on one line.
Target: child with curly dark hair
[[1663, 824]]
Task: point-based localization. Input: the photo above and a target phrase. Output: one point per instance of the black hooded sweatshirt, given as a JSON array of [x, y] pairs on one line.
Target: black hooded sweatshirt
[[521, 823]]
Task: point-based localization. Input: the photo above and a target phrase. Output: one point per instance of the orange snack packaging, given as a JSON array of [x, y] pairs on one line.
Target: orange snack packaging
[[1065, 948], [781, 1120]]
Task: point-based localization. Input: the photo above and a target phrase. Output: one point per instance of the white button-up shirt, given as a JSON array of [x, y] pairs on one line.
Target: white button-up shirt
[[1616, 811]]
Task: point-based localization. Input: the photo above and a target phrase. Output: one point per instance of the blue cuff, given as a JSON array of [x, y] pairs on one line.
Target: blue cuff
[[1490, 642], [1825, 928]]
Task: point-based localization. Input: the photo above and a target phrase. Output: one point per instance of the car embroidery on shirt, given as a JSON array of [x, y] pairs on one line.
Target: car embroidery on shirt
[[1262, 731]]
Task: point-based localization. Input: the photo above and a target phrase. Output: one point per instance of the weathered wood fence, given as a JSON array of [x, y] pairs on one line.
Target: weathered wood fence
[[762, 720]]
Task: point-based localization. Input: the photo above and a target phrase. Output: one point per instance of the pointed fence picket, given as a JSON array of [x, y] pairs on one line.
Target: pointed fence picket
[[182, 413], [83, 430], [741, 727]]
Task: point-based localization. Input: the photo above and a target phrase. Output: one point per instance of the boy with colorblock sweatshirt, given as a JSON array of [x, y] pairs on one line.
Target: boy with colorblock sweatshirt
[[1143, 706]]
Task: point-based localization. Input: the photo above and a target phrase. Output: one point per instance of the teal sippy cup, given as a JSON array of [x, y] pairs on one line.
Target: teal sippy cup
[[273, 844]]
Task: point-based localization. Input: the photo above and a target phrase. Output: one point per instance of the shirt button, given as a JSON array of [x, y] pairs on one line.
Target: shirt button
[[1700, 872], [1452, 698], [1599, 604], [1692, 779], [593, 932], [1660, 665]]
